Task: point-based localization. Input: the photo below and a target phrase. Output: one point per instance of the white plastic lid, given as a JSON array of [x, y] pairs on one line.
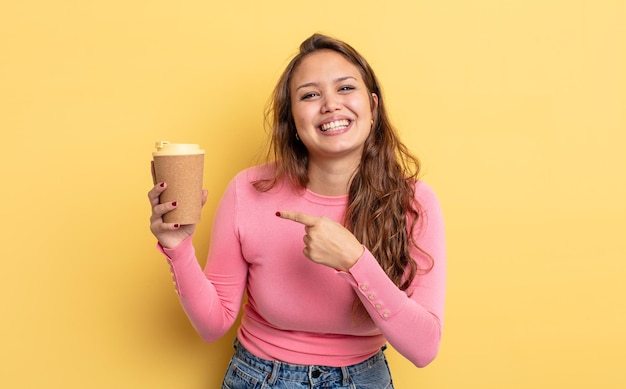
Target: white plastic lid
[[164, 148]]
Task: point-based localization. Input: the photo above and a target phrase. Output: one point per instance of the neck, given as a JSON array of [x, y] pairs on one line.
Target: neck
[[330, 178]]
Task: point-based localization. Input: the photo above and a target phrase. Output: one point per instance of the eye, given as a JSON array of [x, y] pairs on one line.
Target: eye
[[309, 95], [346, 88]]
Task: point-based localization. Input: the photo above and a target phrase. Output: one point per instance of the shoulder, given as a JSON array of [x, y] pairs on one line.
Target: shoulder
[[425, 194], [427, 201], [255, 173], [256, 180]]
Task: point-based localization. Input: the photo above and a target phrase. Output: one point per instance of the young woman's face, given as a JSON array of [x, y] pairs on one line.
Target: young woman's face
[[331, 106]]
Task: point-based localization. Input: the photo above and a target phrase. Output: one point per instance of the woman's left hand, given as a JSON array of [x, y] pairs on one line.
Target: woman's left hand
[[326, 241]]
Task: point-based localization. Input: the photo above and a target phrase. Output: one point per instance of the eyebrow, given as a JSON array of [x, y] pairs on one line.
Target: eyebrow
[[340, 79]]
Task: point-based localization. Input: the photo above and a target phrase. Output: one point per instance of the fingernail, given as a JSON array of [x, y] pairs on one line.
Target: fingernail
[[174, 203], [176, 225], [162, 185], [278, 214]]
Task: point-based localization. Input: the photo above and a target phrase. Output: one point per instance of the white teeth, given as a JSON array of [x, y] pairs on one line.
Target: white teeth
[[336, 125]]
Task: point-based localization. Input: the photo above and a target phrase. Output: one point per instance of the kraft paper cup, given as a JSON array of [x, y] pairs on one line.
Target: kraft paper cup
[[180, 166]]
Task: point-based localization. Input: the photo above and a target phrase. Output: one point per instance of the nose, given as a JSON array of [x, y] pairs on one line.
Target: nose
[[331, 103]]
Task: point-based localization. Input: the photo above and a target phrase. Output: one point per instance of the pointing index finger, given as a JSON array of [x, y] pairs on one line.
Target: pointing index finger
[[298, 217]]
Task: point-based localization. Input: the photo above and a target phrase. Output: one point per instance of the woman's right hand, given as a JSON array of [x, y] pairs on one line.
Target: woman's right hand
[[169, 235]]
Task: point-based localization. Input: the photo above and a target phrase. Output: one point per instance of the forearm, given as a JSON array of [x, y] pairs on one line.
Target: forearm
[[410, 324], [412, 330], [209, 315]]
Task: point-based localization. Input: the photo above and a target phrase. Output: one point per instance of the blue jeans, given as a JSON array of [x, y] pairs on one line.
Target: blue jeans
[[247, 371]]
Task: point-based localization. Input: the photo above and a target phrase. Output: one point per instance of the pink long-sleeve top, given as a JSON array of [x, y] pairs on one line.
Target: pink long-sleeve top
[[298, 311]]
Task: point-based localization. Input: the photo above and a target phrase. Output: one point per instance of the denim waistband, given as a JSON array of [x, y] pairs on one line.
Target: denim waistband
[[296, 372]]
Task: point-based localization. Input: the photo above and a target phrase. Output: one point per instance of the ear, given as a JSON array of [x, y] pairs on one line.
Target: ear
[[374, 104]]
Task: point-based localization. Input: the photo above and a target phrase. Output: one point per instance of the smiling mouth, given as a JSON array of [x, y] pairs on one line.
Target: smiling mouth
[[335, 126]]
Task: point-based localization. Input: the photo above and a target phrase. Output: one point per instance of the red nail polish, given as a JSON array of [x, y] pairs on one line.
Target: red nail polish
[[162, 185], [176, 225], [174, 203], [278, 214]]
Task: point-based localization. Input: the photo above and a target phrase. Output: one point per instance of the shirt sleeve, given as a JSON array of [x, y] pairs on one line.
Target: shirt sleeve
[[411, 320], [212, 298]]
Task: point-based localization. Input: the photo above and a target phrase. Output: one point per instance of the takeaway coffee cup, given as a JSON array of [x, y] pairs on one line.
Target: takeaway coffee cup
[[180, 166]]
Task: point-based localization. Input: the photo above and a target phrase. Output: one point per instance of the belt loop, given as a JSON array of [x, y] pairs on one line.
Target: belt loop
[[271, 380], [346, 376], [235, 343]]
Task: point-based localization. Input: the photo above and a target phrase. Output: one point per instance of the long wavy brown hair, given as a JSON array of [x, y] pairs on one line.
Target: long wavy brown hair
[[382, 211]]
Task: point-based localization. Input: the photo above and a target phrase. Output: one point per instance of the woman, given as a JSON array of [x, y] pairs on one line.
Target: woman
[[338, 245]]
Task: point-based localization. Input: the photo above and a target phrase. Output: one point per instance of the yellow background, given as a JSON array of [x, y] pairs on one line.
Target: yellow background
[[517, 109]]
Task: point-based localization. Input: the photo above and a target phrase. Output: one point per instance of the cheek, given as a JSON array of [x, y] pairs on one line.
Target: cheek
[[297, 119], [363, 105], [366, 109], [302, 116], [295, 114]]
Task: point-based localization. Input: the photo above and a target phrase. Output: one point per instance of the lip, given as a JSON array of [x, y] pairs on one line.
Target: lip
[[334, 119]]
